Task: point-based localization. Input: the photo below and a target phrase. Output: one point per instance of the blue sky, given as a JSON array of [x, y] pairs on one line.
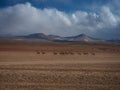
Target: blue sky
[[63, 5], [96, 18]]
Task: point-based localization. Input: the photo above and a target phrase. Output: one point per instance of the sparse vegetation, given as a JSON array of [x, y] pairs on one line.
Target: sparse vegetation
[[64, 76], [46, 66]]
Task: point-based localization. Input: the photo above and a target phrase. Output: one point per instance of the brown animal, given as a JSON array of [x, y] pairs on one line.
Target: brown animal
[[79, 53], [43, 52], [55, 53], [71, 53], [85, 53], [37, 52], [93, 53], [62, 53]]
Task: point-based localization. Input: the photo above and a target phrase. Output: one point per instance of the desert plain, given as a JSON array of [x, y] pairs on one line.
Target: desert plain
[[57, 66]]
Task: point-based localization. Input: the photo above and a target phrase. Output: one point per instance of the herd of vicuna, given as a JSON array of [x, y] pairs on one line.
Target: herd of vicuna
[[66, 53]]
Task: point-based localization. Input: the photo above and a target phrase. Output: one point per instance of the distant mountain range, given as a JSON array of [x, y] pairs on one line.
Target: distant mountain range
[[55, 38], [81, 38]]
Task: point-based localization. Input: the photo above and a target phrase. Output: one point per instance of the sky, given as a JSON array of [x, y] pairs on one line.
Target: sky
[[95, 18]]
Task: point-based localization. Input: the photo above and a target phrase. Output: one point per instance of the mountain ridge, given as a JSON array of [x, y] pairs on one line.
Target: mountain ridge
[[56, 38], [80, 38]]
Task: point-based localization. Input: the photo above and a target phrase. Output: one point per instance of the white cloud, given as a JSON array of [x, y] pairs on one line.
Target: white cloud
[[108, 17], [24, 19]]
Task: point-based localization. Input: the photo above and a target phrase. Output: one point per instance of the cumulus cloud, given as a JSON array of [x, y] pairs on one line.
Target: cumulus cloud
[[108, 17], [26, 19]]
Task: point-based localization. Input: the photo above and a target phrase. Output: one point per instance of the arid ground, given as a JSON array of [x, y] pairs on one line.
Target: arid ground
[[53, 66]]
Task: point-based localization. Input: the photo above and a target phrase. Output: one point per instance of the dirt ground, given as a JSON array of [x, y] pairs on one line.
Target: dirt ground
[[54, 66]]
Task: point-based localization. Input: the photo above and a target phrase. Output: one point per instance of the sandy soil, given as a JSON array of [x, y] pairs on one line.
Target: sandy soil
[[48, 66]]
